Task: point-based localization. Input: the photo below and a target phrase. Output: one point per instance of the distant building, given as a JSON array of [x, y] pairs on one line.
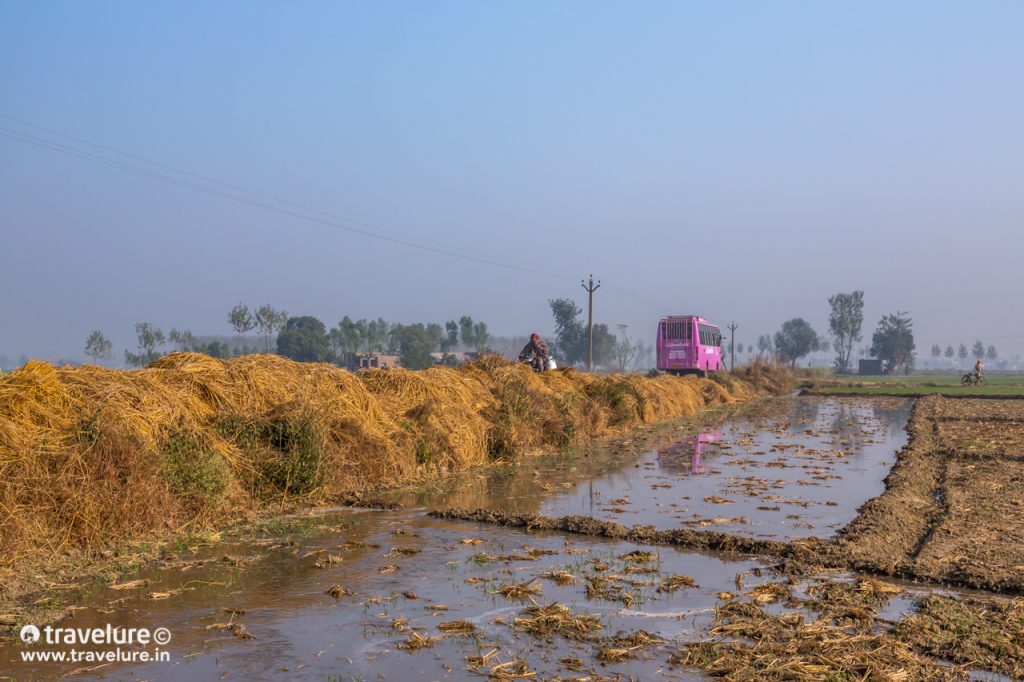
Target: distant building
[[455, 358], [871, 366], [378, 361]]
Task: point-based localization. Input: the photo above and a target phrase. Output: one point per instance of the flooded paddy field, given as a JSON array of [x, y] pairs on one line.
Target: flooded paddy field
[[795, 472], [401, 594]]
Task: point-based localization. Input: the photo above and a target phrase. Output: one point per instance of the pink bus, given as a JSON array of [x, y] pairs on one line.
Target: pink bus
[[688, 344]]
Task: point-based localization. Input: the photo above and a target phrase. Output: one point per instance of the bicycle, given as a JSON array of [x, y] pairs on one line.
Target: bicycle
[[972, 379]]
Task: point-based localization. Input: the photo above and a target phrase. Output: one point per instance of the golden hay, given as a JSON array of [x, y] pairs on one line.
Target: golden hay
[[91, 456]]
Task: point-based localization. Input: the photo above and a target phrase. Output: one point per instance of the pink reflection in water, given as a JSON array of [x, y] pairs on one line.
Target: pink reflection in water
[[685, 455]]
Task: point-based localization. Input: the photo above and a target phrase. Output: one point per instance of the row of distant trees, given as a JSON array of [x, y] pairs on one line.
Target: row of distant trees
[[892, 341], [150, 339], [303, 338], [978, 351], [306, 338]]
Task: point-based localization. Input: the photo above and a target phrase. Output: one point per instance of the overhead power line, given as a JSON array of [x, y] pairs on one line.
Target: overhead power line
[[626, 292], [246, 190], [390, 236], [264, 200]]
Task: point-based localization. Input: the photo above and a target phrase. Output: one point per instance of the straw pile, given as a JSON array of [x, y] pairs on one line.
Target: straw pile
[[91, 456]]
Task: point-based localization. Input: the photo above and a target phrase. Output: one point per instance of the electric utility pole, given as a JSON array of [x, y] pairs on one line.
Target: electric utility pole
[[732, 344], [590, 289]]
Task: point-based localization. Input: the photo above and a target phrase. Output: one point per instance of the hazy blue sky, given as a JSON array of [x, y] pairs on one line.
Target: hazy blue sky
[[739, 160]]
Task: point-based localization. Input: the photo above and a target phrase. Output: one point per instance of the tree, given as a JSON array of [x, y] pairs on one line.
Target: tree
[[739, 348], [795, 340], [893, 342], [241, 319], [764, 344], [604, 346], [570, 332], [991, 353], [474, 334], [393, 338], [844, 324], [215, 349], [949, 352], [347, 337], [625, 350], [978, 350], [962, 351], [98, 347], [936, 351], [377, 332], [644, 354], [184, 339], [304, 339], [414, 344], [149, 339], [436, 334], [480, 337], [451, 340], [269, 321]]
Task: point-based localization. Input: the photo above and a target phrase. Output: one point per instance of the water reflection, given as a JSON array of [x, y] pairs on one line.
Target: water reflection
[[799, 470], [685, 456], [785, 468]]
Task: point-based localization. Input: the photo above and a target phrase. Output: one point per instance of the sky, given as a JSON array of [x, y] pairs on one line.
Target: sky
[[742, 161]]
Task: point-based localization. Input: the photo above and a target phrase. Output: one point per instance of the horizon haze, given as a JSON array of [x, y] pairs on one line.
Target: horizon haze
[[419, 162]]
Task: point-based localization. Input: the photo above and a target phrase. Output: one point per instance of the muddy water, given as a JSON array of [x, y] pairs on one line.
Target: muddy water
[[792, 468], [456, 573], [403, 573], [798, 472]]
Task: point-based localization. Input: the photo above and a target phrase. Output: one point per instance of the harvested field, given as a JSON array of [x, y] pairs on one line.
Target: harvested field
[[947, 515], [401, 594], [952, 509], [979, 410], [917, 385], [982, 438], [988, 633], [786, 647], [981, 533], [92, 457]]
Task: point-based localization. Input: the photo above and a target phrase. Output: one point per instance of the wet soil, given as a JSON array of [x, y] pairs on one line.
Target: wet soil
[[952, 508], [502, 589], [400, 577]]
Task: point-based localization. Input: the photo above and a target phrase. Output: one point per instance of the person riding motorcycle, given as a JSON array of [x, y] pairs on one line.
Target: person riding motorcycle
[[537, 350]]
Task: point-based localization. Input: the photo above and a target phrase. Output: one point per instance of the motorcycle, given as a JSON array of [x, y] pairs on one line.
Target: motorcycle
[[549, 364]]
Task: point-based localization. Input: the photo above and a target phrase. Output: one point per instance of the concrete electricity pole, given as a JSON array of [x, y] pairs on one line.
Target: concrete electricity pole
[[732, 344], [590, 289]]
